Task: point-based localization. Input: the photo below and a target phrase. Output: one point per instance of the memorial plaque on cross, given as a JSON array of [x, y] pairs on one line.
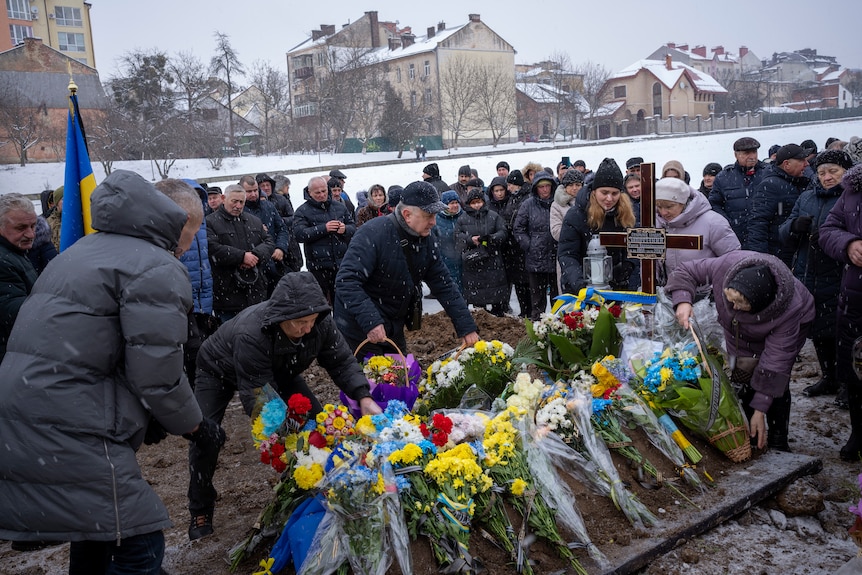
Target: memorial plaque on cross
[[649, 243]]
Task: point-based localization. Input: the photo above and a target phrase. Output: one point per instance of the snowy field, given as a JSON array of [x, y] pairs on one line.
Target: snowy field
[[693, 151]]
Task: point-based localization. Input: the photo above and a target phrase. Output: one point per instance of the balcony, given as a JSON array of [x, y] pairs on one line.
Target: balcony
[[305, 110], [303, 73]]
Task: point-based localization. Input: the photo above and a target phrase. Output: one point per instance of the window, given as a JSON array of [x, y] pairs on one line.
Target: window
[[18, 33], [412, 99], [68, 16], [619, 91], [427, 95], [71, 42], [656, 99], [398, 74], [321, 59], [411, 72], [18, 9], [427, 67]]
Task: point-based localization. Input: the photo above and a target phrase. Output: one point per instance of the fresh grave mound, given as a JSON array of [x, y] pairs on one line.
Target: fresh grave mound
[[663, 493]]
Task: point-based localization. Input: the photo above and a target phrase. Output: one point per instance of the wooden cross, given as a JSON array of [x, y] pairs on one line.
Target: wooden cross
[[649, 243]]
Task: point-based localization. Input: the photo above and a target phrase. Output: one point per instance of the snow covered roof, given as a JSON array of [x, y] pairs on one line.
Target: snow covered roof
[[541, 93], [701, 81], [833, 76], [609, 109]]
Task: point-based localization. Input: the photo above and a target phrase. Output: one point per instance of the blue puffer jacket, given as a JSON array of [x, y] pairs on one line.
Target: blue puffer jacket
[[771, 204], [444, 234], [197, 261], [731, 196], [820, 273]]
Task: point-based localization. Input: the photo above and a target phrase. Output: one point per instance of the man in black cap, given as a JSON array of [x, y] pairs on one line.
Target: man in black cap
[[710, 171], [465, 174], [431, 174], [502, 169], [633, 165], [773, 201], [735, 184], [378, 289]]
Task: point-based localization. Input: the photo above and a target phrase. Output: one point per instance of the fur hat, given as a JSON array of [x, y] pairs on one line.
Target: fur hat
[[756, 284], [854, 149], [852, 179], [572, 177], [449, 196], [515, 177], [745, 144], [432, 170], [837, 157], [672, 190], [608, 175], [475, 194]]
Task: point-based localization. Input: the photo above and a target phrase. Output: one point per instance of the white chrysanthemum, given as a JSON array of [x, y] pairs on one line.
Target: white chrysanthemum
[[401, 430]]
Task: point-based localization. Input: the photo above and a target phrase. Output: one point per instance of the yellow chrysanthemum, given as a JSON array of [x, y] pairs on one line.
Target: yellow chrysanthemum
[[481, 346], [364, 426], [308, 477], [666, 373], [518, 487], [406, 456], [257, 431]]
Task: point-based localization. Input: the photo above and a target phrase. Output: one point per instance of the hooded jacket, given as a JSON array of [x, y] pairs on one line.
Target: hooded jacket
[[532, 229], [252, 350], [775, 335], [697, 219], [71, 421], [197, 261]]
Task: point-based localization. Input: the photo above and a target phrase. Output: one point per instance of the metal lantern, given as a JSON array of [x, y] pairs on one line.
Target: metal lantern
[[598, 265]]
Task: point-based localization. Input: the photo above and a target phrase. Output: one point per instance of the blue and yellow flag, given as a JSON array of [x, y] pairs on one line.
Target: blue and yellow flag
[[79, 182]]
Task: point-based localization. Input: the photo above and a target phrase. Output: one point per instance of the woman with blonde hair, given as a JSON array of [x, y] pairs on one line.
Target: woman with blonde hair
[[608, 209]]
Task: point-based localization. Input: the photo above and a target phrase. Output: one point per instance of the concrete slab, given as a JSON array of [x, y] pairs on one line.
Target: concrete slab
[[746, 486]]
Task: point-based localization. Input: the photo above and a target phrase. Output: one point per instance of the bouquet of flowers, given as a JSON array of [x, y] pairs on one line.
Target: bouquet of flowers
[[485, 368], [693, 387], [570, 339], [391, 376]]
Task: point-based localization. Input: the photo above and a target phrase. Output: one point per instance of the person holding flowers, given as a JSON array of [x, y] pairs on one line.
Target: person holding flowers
[[766, 315], [269, 343]]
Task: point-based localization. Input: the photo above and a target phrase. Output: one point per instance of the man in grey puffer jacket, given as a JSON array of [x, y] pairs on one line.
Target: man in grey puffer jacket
[[95, 353]]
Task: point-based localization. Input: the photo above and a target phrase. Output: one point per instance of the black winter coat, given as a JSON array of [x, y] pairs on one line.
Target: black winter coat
[[251, 350], [293, 258], [820, 273], [513, 256], [771, 204], [17, 277], [323, 249], [438, 183], [532, 229], [575, 237], [731, 196], [228, 239], [374, 284], [483, 273]]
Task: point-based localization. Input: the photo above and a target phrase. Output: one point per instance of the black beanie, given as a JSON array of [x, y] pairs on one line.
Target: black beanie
[[756, 284], [432, 170], [515, 177], [608, 175], [465, 171]]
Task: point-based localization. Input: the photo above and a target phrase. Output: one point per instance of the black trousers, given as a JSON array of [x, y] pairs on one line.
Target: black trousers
[[542, 284]]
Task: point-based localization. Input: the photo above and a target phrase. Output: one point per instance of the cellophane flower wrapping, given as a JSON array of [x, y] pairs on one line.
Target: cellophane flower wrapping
[[391, 377], [486, 366]]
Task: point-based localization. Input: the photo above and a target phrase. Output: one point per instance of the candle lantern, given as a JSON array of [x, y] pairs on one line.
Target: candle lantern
[[598, 265]]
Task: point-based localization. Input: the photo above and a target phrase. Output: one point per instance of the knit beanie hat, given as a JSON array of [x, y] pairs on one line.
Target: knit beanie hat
[[465, 171], [503, 164], [57, 195], [394, 194], [572, 177], [608, 175], [515, 177], [756, 284], [475, 194], [838, 157], [449, 196], [673, 165], [432, 170], [712, 169]]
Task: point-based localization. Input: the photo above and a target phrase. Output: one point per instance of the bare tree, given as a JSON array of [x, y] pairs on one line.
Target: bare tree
[[743, 94], [398, 124], [854, 85], [190, 75], [594, 89], [274, 98], [457, 95], [226, 65], [494, 103], [21, 123]]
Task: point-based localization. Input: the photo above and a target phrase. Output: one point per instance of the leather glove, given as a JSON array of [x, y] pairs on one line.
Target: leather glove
[[801, 225], [621, 273], [209, 435], [155, 432]]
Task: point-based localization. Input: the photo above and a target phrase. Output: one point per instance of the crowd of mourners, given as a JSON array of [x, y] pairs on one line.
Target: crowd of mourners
[[780, 255]]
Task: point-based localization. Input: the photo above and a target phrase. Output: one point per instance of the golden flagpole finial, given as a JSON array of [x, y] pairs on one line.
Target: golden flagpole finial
[[73, 87]]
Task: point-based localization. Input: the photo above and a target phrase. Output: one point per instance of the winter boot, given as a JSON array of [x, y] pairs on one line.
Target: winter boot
[[778, 423], [828, 384], [841, 400]]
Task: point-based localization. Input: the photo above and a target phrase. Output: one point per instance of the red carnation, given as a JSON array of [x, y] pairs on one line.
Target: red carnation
[[442, 423], [299, 404], [317, 439], [440, 439], [279, 465], [616, 310], [264, 457], [277, 450], [424, 429]]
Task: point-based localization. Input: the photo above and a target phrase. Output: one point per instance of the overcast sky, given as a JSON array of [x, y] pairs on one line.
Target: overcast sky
[[614, 33]]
